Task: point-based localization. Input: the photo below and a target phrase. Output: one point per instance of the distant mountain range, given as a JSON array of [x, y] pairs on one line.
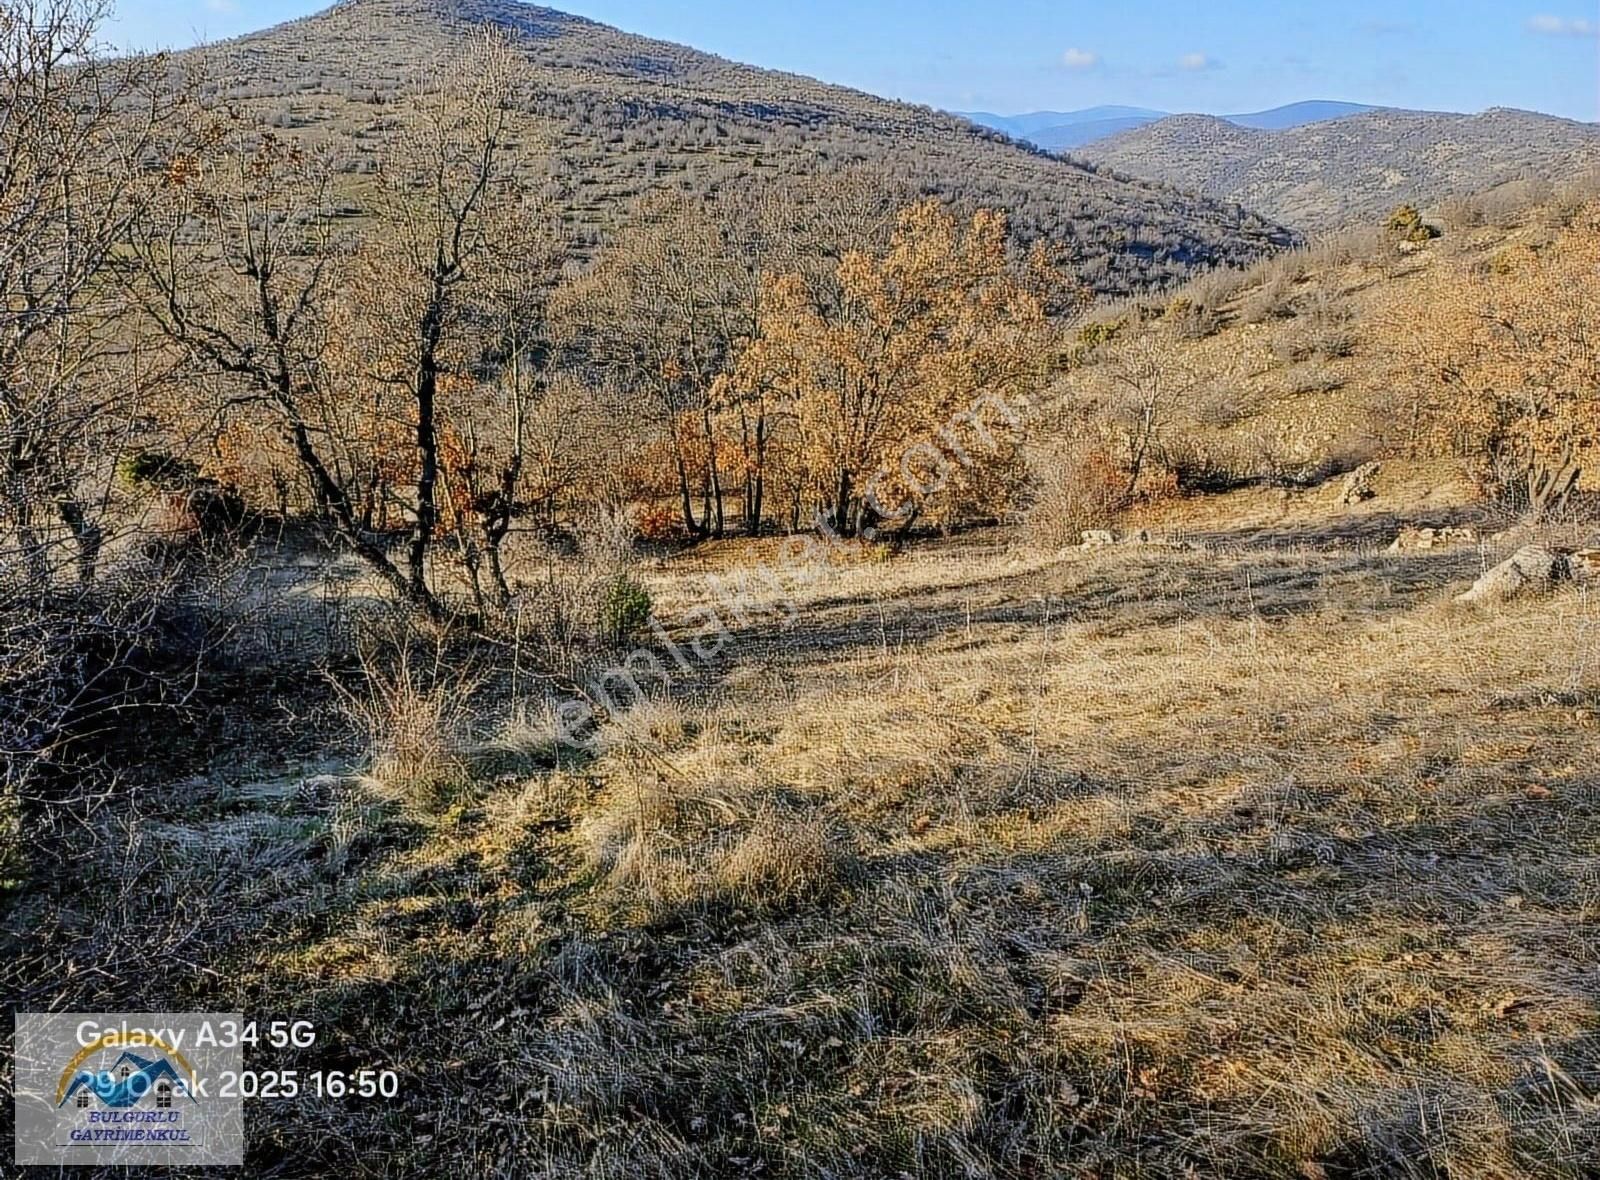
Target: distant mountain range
[[1059, 131], [1356, 168]]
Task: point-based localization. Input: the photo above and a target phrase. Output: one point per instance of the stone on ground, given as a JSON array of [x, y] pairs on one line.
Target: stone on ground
[[1532, 569]]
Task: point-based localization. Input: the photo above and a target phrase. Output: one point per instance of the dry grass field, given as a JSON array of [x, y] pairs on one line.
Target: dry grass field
[[1259, 858]]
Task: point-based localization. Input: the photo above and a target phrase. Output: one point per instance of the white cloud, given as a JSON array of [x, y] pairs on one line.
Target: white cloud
[[1196, 62], [222, 5], [1080, 59], [1561, 26]]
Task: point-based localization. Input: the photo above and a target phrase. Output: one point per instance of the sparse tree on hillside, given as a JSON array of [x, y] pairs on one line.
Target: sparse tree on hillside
[[678, 292], [345, 344], [660, 311], [238, 267], [1150, 377], [1506, 363], [439, 186], [517, 437]]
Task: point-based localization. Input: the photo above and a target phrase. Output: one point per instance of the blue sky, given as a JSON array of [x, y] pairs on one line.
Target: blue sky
[[1017, 55]]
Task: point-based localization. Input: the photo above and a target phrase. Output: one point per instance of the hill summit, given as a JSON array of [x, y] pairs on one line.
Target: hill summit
[[614, 115]]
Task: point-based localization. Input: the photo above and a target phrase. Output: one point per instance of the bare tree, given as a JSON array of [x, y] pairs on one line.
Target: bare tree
[[1150, 375], [329, 336], [438, 183], [75, 131], [516, 435]]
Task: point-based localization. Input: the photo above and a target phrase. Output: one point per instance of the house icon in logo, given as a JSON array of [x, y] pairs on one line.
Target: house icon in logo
[[131, 1080]]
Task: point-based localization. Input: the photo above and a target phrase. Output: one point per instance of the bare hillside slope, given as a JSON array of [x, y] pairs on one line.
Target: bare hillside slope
[[1327, 174], [620, 115]]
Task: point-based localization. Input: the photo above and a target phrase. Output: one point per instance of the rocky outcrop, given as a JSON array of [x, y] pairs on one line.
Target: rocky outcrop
[[1532, 569], [1415, 540], [1357, 485]]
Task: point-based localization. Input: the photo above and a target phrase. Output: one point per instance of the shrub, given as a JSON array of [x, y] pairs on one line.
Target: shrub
[[1508, 205], [1461, 214], [1191, 320], [1405, 224], [1274, 299], [1305, 341], [1216, 287], [410, 706], [1221, 407], [157, 469], [1079, 486], [625, 608], [658, 522], [1096, 333], [1321, 330], [1314, 379]]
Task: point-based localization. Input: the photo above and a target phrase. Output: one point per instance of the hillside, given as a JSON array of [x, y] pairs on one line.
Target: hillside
[[1275, 381], [1326, 174], [623, 115]]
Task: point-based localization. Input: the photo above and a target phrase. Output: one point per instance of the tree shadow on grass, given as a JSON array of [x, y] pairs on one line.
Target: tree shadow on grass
[[1128, 593]]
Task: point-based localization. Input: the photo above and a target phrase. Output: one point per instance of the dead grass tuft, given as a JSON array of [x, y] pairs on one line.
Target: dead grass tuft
[[411, 704]]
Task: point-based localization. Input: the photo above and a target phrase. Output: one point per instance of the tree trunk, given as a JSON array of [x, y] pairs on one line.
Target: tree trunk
[[753, 507], [338, 512], [843, 518], [88, 536], [758, 482], [713, 476], [684, 494], [427, 514], [897, 539]]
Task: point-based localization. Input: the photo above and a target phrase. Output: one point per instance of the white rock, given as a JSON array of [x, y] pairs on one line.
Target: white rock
[[1530, 570], [1431, 538]]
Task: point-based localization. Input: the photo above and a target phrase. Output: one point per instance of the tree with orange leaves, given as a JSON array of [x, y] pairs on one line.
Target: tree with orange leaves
[[1504, 364], [926, 347]]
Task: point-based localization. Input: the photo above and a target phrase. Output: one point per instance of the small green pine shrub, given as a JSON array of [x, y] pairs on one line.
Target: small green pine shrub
[[157, 469], [625, 608], [1095, 333]]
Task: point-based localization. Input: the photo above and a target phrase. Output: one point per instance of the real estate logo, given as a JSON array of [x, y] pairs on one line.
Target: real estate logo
[[127, 1088]]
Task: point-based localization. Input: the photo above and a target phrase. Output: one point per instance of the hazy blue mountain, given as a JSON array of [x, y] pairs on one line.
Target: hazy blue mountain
[[1073, 135], [1060, 131], [1034, 123], [1298, 114]]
